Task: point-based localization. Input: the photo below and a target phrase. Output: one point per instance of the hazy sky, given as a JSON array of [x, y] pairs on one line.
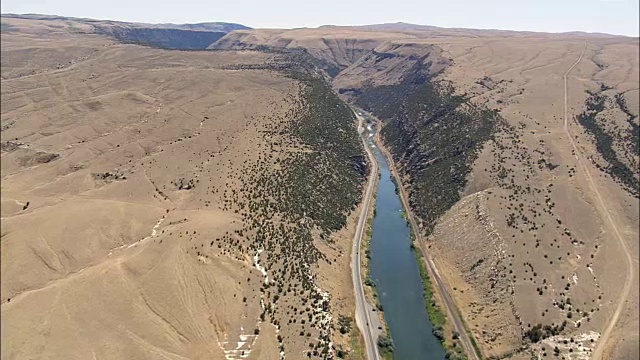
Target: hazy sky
[[608, 16]]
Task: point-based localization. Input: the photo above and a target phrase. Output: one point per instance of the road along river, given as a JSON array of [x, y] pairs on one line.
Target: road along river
[[394, 269]]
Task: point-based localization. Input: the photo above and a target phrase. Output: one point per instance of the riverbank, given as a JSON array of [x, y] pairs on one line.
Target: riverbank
[[448, 325], [371, 294], [370, 290], [395, 274]]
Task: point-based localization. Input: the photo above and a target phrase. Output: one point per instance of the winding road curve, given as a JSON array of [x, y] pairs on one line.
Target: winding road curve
[[599, 351], [364, 310]]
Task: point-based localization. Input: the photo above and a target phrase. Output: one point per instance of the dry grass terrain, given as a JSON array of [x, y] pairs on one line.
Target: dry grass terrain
[[549, 237], [543, 251], [552, 254], [132, 227]]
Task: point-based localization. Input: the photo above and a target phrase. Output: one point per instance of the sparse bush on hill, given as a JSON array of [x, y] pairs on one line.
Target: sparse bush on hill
[[307, 178], [433, 135], [344, 324], [540, 332], [606, 137]]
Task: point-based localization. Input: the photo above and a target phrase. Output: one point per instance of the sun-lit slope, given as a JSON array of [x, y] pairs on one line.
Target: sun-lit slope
[[569, 246], [151, 301], [550, 244], [44, 46], [98, 234], [160, 204], [166, 36]]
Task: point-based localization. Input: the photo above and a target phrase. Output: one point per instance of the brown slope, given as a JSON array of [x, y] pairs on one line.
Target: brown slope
[[131, 245]]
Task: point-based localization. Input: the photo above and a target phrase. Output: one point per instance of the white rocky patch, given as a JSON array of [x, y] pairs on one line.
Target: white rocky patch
[[154, 232], [569, 347], [256, 263], [236, 350]]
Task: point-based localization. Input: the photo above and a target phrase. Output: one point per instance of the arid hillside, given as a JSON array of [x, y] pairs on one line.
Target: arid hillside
[[165, 36], [334, 48], [526, 185], [171, 204]]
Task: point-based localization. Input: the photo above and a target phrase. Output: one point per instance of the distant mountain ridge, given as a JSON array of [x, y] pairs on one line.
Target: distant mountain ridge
[[408, 27], [204, 26], [167, 36], [164, 38]]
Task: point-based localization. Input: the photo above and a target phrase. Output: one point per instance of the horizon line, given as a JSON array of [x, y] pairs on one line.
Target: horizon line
[[327, 25]]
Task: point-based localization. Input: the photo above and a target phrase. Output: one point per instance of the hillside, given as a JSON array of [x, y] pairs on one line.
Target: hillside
[[335, 48], [171, 204], [165, 36]]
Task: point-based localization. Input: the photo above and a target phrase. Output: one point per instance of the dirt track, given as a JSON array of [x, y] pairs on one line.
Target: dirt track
[[605, 214]]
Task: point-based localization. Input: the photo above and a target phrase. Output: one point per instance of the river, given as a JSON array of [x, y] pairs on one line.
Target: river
[[394, 269]]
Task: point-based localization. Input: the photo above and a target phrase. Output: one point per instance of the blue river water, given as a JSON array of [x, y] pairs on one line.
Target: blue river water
[[394, 269]]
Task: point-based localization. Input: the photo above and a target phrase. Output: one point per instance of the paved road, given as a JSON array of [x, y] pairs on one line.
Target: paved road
[[450, 308], [606, 216], [364, 310]]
